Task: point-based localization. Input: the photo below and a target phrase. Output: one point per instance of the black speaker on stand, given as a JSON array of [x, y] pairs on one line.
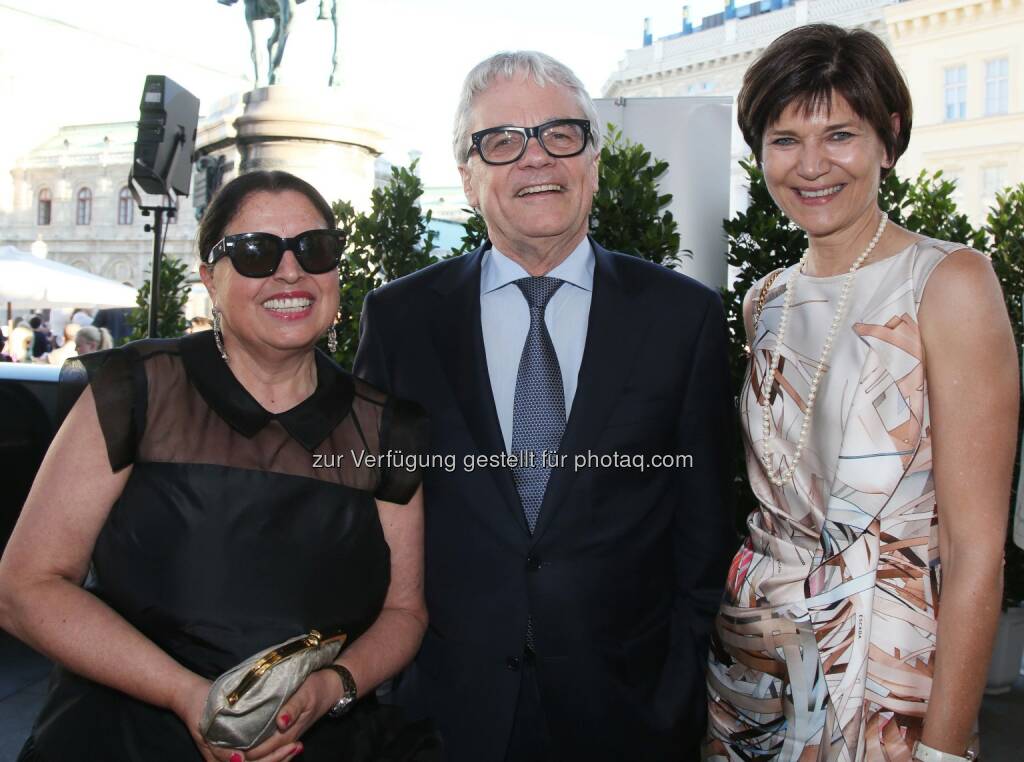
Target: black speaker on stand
[[162, 166]]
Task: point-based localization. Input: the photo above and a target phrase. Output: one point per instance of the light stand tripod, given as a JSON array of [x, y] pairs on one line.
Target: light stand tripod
[[158, 228]]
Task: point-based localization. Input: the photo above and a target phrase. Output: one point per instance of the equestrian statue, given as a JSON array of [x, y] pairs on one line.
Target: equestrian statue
[[283, 13]]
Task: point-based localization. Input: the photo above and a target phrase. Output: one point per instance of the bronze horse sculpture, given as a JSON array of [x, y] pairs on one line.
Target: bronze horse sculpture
[[282, 12]]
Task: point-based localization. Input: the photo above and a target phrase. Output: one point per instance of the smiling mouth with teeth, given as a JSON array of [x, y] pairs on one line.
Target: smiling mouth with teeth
[[820, 193], [539, 189], [287, 305]]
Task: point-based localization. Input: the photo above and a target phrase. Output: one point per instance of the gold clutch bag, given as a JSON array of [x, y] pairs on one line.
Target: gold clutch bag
[[244, 702]]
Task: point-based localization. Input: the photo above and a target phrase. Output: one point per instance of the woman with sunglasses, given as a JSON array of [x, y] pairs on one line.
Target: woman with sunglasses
[[203, 525]]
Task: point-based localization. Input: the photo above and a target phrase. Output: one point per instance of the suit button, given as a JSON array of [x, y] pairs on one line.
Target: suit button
[[512, 663], [532, 563]]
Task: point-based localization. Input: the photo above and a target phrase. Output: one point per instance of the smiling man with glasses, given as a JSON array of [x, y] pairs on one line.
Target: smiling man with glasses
[[571, 576]]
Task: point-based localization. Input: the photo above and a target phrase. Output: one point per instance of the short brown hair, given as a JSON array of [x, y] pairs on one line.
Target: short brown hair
[[809, 64]]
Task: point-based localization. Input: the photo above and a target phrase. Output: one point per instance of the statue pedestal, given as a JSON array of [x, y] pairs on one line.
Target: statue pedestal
[[314, 133]]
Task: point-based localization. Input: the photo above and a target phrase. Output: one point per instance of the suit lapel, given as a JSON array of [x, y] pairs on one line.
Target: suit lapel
[[458, 341], [612, 339]]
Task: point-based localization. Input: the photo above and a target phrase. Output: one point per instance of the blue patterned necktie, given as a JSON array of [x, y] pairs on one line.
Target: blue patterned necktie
[[538, 415]]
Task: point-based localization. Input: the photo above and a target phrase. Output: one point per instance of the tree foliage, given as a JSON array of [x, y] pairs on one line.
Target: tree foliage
[[1005, 225], [389, 241], [475, 234], [760, 240], [627, 214], [925, 205], [173, 295]]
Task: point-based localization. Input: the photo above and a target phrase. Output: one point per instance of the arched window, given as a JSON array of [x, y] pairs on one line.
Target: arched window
[[125, 207], [83, 209], [45, 207]]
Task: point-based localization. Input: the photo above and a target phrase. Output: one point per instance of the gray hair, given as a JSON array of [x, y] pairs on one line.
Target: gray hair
[[543, 68]]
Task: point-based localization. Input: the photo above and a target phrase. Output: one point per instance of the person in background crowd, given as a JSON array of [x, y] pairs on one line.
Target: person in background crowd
[[19, 345], [115, 320], [81, 316], [879, 413], [67, 348], [40, 336], [59, 317], [92, 339]]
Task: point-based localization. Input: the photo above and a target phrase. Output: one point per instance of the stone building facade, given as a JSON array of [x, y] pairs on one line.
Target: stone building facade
[[710, 59], [964, 63], [71, 201]]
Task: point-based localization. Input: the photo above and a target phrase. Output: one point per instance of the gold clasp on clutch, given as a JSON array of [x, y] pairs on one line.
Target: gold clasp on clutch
[[313, 640]]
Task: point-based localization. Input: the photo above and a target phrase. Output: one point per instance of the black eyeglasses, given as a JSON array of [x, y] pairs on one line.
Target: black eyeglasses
[[258, 255], [561, 138]]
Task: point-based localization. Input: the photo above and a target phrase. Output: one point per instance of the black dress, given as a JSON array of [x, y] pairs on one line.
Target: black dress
[[237, 529]]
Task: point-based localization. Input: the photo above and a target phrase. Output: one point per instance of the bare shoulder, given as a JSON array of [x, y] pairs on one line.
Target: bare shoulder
[[963, 313], [963, 283]]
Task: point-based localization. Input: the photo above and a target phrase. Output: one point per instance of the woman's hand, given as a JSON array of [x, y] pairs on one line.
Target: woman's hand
[[317, 695], [309, 704], [188, 706]]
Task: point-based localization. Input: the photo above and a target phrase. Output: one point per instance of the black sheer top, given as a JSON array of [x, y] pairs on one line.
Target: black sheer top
[[237, 529]]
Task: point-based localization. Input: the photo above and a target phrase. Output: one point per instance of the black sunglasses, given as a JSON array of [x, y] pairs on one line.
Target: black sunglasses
[[561, 138], [258, 255]]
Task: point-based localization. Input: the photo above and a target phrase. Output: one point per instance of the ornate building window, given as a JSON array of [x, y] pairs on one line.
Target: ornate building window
[[45, 209], [993, 180], [997, 86], [956, 93], [125, 207], [83, 207]]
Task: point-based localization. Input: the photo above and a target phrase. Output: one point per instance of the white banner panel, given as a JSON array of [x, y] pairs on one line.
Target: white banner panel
[[693, 135]]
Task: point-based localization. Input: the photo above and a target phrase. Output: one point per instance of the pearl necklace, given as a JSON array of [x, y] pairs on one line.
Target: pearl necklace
[[769, 378]]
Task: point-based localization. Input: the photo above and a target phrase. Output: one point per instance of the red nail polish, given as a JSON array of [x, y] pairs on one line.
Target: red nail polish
[[296, 750], [286, 719], [236, 757]]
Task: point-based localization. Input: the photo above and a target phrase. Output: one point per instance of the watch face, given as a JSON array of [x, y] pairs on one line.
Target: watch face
[[341, 707]]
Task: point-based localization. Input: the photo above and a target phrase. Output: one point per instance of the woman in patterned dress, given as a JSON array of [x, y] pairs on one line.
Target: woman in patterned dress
[[879, 419]]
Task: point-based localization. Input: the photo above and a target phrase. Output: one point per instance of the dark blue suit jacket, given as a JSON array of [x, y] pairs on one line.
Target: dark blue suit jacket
[[624, 572]]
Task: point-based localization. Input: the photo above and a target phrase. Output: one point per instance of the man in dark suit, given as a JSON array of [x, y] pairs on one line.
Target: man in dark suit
[[571, 595]]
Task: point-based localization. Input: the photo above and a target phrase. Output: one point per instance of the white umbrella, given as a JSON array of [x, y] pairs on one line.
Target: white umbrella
[[32, 283]]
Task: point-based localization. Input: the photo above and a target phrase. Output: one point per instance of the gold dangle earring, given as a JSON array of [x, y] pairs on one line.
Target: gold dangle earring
[[218, 336]]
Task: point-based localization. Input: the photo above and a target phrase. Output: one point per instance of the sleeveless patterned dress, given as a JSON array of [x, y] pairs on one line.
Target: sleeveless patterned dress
[[824, 645]]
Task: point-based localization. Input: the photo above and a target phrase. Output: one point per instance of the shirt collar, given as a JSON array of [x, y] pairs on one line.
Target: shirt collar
[[497, 270], [309, 423]]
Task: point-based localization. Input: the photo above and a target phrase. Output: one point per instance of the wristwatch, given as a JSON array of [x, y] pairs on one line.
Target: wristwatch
[[348, 695], [924, 753]]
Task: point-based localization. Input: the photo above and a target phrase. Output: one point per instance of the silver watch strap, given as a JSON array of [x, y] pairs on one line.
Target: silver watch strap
[[924, 753], [348, 691]]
